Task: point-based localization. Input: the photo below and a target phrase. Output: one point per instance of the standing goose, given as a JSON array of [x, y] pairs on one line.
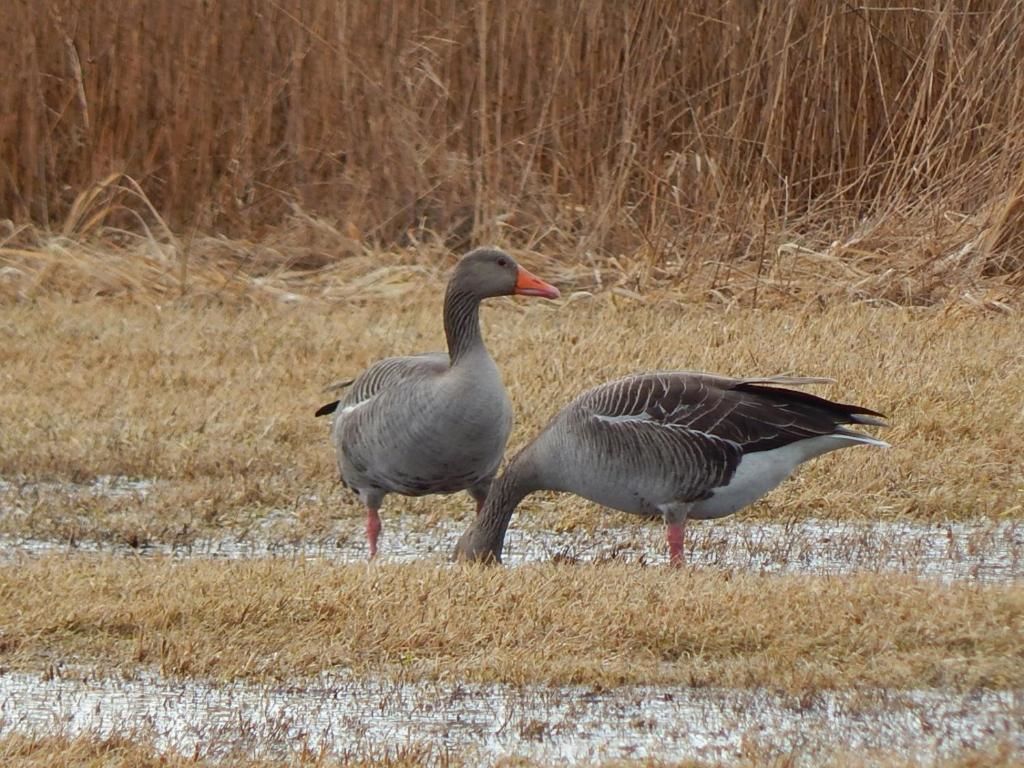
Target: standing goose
[[434, 422], [672, 444]]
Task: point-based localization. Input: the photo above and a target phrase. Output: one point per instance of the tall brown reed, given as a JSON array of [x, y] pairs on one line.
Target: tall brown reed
[[610, 126]]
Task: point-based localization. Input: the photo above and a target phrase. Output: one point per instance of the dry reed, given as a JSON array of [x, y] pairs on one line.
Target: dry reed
[[648, 140]]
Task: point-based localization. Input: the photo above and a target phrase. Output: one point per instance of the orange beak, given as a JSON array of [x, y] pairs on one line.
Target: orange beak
[[528, 284]]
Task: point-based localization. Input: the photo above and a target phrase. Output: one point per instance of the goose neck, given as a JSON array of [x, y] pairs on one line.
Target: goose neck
[[487, 534], [461, 322]]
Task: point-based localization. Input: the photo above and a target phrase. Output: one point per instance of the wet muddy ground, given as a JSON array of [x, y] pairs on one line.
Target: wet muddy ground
[[987, 551], [991, 551], [552, 725]]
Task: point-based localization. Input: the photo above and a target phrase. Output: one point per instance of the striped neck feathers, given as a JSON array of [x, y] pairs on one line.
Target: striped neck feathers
[[461, 321]]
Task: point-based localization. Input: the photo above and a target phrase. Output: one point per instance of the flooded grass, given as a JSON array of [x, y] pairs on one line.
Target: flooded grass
[[983, 551], [482, 724], [990, 551], [135, 748], [108, 486]]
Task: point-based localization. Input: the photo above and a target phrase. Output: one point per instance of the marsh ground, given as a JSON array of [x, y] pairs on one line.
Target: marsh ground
[[137, 433], [214, 403]]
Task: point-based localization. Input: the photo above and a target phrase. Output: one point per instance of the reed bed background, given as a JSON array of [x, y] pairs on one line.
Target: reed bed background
[[858, 151]]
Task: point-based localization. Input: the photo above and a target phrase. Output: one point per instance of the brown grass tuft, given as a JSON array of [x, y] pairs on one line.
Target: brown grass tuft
[[599, 625]]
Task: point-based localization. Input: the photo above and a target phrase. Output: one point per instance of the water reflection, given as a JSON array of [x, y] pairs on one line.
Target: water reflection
[[990, 552], [488, 722]]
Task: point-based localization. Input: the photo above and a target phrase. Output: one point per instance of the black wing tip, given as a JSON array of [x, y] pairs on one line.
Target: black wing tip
[[867, 411], [323, 410], [857, 414]]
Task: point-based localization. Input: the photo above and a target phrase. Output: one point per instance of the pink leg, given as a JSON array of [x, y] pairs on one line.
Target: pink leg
[[372, 530], [674, 534], [479, 494]]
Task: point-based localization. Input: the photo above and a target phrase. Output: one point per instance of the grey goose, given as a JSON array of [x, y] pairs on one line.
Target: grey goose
[[677, 445], [434, 422]]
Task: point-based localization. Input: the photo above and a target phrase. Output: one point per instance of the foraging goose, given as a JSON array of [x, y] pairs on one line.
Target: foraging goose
[[434, 422], [674, 444]]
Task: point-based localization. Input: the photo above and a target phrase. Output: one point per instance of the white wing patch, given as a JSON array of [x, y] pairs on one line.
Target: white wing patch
[[630, 417], [349, 408], [856, 437]]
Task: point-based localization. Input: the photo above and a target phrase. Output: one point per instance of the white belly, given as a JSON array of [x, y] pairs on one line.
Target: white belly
[[618, 496], [762, 471]]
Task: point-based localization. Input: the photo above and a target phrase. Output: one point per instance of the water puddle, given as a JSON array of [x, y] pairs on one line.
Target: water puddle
[[110, 486], [977, 551], [989, 552], [493, 721]]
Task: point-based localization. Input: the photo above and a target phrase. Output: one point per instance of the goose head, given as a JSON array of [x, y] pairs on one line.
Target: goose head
[[488, 272], [472, 548]]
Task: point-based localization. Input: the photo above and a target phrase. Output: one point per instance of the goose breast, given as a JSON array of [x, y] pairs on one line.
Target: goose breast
[[426, 432]]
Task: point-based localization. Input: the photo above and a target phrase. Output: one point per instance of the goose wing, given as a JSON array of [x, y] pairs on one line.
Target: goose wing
[[384, 374], [697, 427]]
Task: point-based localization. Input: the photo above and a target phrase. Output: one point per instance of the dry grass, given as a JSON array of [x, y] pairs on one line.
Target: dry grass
[[216, 404], [316, 260], [598, 625]]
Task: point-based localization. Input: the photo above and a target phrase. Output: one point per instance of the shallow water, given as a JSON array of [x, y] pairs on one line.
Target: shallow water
[[989, 552], [980, 551], [112, 486], [491, 721]]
